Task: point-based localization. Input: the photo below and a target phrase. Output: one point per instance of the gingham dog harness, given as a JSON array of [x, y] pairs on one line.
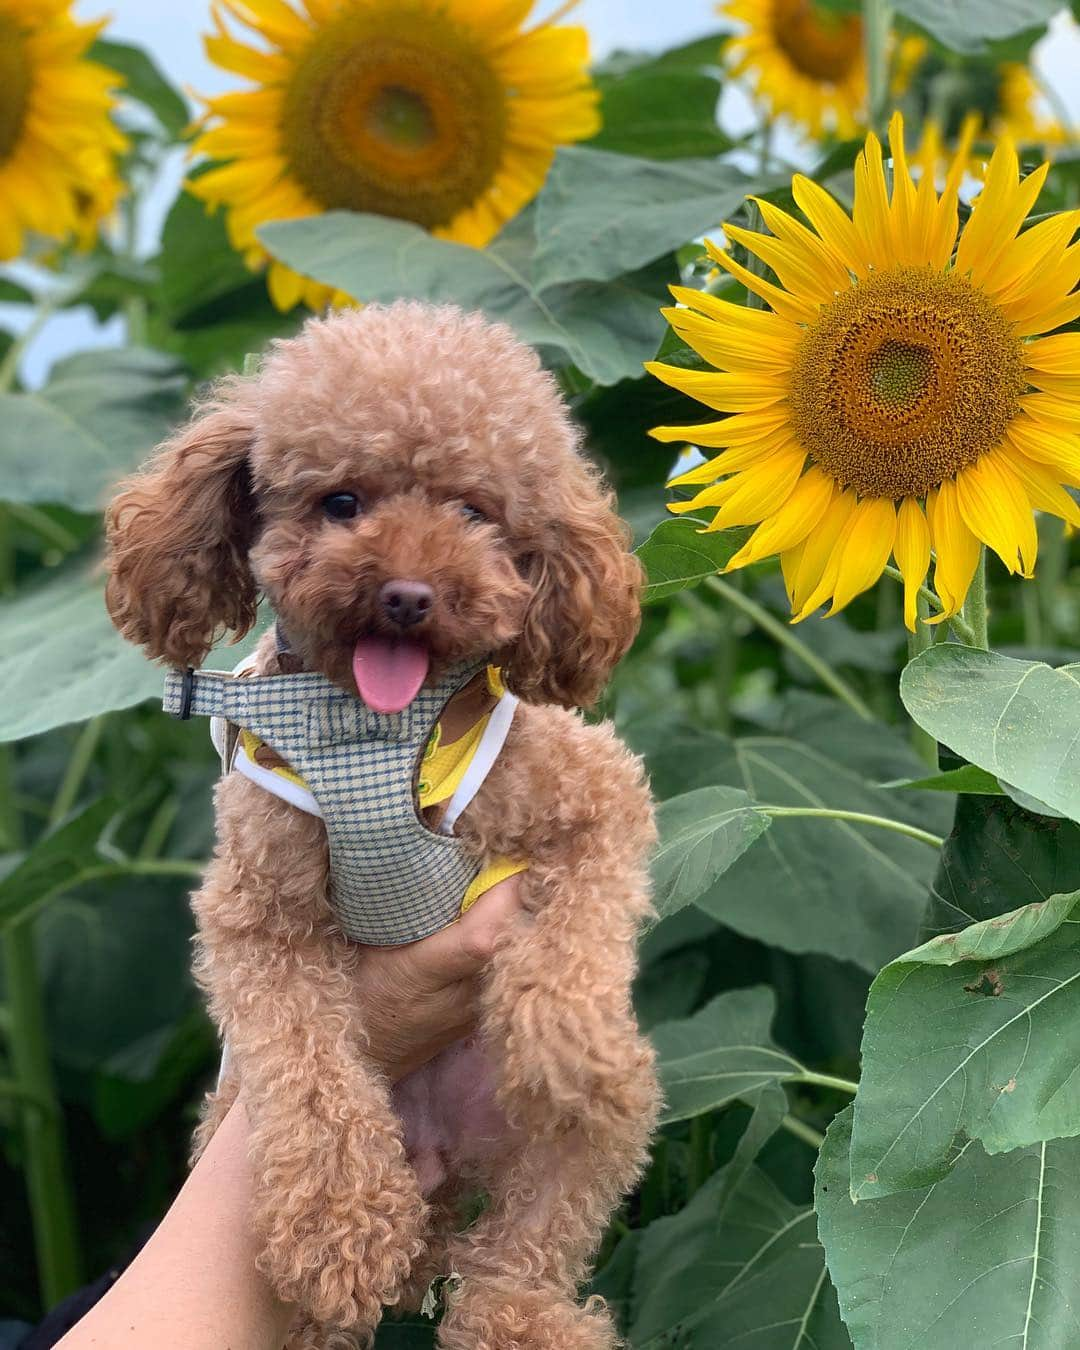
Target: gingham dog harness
[[392, 879]]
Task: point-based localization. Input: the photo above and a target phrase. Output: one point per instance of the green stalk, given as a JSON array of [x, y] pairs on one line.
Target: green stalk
[[802, 1131], [78, 765], [855, 818], [700, 1153], [975, 606], [51, 1203], [826, 1080], [653, 1197], [783, 634], [877, 29], [924, 745]]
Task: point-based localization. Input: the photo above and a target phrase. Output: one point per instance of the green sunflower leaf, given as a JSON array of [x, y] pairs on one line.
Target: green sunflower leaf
[[99, 414], [854, 892], [662, 107], [739, 1266], [987, 1256], [970, 1036], [607, 331], [1018, 720], [723, 1053], [677, 555], [968, 25], [62, 661], [144, 82], [701, 835], [600, 215], [999, 857]]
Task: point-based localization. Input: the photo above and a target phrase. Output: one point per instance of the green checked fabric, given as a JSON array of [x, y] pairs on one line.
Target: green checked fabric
[[392, 879]]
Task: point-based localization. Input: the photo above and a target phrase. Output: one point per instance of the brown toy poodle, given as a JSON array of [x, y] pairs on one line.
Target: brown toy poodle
[[416, 443]]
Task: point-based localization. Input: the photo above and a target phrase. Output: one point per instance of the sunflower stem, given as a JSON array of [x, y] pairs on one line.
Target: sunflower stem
[[877, 28], [9, 366], [755, 221], [782, 633], [801, 1130], [975, 606], [924, 745], [854, 818]]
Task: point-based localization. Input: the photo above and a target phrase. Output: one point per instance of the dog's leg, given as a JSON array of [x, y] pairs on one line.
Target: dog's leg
[[575, 1073], [335, 1201]]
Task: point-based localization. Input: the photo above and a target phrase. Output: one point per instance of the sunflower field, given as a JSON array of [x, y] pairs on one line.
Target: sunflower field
[[830, 362]]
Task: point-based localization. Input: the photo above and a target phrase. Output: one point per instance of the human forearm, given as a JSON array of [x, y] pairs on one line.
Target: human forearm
[[194, 1285]]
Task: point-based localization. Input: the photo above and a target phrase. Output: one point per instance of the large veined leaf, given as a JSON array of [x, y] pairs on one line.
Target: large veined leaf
[[740, 1266], [852, 891], [605, 330], [677, 555], [62, 661], [1019, 720], [997, 858], [723, 1053], [701, 835], [601, 215], [663, 107], [970, 1036], [967, 25], [989, 1256], [100, 413]]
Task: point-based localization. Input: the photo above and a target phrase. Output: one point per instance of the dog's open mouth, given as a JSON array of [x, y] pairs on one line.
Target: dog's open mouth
[[389, 671]]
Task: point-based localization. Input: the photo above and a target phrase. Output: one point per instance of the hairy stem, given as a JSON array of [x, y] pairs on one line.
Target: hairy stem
[[975, 606], [877, 30], [855, 818], [802, 1131], [924, 744], [51, 1202]]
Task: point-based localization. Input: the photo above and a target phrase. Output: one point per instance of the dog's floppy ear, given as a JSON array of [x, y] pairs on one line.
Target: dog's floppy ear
[[178, 534], [585, 609]]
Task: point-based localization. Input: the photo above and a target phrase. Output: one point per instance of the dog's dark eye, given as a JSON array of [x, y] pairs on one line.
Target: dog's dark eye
[[474, 513], [341, 505]]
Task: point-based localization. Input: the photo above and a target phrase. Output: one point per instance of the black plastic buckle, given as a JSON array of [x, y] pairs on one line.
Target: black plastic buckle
[[187, 694]]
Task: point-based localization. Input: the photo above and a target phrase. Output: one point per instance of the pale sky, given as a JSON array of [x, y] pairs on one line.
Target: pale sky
[[171, 31]]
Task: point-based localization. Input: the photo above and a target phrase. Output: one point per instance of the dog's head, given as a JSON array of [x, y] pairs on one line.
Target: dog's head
[[404, 485]]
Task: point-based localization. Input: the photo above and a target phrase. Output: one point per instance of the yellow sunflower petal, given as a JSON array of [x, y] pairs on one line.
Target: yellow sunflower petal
[[1043, 487], [996, 510], [868, 541], [817, 553], [790, 525], [956, 551], [911, 549], [725, 393]]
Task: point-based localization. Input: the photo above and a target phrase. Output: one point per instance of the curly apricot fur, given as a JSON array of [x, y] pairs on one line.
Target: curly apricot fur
[[417, 411]]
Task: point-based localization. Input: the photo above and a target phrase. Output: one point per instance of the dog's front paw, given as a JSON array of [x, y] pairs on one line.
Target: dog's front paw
[[497, 1315]]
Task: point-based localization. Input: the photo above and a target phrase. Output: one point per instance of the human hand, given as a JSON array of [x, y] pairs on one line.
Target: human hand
[[419, 998]]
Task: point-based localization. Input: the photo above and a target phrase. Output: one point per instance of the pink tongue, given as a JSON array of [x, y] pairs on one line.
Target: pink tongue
[[388, 672]]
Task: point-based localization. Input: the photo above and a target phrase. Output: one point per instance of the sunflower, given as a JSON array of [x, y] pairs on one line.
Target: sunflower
[[442, 112], [896, 397], [807, 61], [58, 144]]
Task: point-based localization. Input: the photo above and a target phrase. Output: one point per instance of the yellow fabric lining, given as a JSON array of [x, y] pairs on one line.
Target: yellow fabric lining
[[441, 771]]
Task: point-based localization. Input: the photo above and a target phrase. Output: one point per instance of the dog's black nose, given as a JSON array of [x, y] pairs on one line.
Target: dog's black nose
[[406, 602]]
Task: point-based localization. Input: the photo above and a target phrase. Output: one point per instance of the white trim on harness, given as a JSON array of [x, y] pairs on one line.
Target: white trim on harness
[[487, 752]]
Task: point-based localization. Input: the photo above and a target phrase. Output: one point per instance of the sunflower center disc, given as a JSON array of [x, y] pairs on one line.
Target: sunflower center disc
[[904, 380], [395, 111], [825, 46], [14, 85]]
